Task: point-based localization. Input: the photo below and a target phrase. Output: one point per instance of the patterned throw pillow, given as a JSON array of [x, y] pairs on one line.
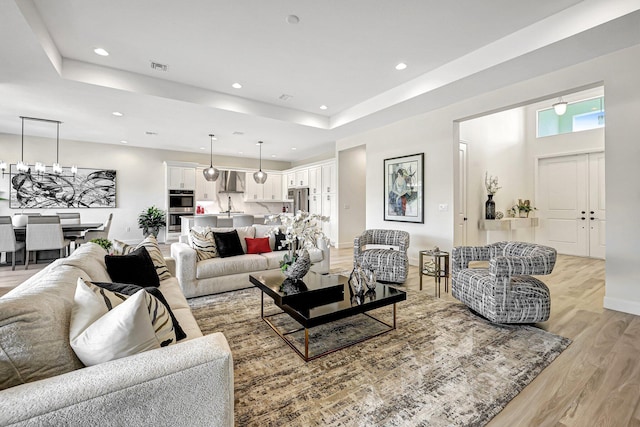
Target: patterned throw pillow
[[150, 243], [108, 325], [204, 244]]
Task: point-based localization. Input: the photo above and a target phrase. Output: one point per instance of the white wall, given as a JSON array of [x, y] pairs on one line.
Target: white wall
[[352, 182], [436, 134], [140, 175]]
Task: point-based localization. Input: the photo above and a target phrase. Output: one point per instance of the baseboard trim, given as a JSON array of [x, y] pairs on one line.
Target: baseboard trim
[[625, 306]]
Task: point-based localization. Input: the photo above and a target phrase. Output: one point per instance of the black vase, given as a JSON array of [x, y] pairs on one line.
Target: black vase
[[490, 208]]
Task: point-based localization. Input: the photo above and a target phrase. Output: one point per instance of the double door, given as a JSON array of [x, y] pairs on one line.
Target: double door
[[571, 204]]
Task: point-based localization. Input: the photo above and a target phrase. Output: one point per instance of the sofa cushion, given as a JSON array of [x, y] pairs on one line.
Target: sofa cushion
[[136, 268], [204, 243], [151, 244], [273, 259], [228, 244], [258, 245], [128, 289], [217, 267], [34, 329], [266, 231], [108, 325], [243, 232], [89, 258]]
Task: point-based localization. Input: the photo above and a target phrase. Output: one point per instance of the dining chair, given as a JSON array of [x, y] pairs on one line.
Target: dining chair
[[44, 233], [242, 220], [205, 221], [70, 218], [8, 241], [97, 233]]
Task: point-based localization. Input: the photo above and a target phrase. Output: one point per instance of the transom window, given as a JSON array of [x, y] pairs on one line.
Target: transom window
[[581, 115]]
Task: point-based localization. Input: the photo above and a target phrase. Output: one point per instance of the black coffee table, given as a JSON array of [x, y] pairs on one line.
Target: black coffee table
[[319, 299]]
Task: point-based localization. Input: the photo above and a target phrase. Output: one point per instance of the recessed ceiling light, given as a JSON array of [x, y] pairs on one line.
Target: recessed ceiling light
[[323, 107], [292, 19], [401, 66], [239, 152], [124, 142], [100, 51], [117, 114], [236, 86], [273, 155], [202, 148], [293, 148]]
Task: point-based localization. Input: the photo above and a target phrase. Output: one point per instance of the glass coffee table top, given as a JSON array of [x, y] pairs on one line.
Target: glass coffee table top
[[320, 299]]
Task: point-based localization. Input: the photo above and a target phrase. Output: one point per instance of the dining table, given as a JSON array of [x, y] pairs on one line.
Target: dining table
[[44, 255]]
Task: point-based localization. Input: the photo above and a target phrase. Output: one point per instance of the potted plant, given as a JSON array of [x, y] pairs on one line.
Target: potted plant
[[105, 243], [524, 207], [151, 220]]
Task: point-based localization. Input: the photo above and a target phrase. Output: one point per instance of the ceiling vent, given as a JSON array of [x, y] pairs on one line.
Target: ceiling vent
[[237, 132], [285, 97], [158, 66], [150, 133]]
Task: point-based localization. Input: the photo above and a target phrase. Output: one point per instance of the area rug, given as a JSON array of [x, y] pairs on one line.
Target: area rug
[[442, 366]]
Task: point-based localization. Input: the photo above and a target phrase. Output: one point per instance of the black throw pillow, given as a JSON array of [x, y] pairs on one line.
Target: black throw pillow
[[135, 268], [127, 289], [228, 244]]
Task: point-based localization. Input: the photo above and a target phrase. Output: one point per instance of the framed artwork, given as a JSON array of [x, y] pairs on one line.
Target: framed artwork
[[403, 189], [89, 188]]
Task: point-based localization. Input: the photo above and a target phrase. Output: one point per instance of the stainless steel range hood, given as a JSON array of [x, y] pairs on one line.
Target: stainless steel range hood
[[231, 182]]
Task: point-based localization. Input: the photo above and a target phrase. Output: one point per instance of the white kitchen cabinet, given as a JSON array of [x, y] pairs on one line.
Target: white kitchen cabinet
[[315, 180], [205, 190], [302, 178], [254, 191], [329, 181], [329, 208], [270, 190], [315, 204], [181, 178], [291, 180]]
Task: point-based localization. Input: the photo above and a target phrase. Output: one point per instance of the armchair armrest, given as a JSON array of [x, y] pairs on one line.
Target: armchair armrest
[[186, 259], [188, 383], [171, 265]]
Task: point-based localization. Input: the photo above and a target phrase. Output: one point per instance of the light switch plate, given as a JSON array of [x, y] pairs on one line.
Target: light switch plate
[[443, 207]]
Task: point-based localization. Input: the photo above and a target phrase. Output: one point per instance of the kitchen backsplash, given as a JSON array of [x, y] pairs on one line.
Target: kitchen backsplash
[[221, 204]]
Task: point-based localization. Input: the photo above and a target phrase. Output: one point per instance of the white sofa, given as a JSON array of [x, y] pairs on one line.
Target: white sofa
[[217, 275], [188, 383]]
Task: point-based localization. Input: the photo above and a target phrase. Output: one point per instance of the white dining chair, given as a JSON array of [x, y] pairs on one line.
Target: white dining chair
[[44, 233], [97, 233], [8, 241]]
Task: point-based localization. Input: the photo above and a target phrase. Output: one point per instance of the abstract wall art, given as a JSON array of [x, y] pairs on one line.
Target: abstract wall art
[[403, 189], [89, 188]]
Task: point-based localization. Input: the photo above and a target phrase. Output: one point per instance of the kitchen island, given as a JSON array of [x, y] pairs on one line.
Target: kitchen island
[[225, 219]]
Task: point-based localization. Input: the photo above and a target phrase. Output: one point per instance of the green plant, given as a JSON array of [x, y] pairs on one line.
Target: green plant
[[524, 206], [105, 243], [151, 219]]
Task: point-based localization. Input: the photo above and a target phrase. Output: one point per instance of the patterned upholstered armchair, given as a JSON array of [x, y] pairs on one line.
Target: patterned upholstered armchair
[[504, 292], [390, 265]]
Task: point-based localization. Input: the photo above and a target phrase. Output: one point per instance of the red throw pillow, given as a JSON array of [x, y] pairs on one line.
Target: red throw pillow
[[259, 245]]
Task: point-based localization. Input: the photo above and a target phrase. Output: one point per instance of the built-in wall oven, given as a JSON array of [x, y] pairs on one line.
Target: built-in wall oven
[[181, 203]]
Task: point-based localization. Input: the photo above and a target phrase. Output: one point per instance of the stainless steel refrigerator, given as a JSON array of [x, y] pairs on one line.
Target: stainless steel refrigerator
[[300, 197]]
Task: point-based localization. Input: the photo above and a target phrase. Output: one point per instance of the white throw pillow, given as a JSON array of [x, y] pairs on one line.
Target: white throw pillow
[[108, 325]]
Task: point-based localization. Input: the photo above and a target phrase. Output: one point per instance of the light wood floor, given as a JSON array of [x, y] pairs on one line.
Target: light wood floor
[[596, 381]]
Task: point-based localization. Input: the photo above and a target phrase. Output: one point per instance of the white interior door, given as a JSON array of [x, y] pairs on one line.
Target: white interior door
[[461, 216], [570, 203], [597, 212]]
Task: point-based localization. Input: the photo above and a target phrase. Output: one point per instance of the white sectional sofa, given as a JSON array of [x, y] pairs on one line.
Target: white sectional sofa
[[217, 275], [187, 383]]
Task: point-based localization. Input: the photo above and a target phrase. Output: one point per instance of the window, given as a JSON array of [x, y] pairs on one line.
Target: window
[[580, 115]]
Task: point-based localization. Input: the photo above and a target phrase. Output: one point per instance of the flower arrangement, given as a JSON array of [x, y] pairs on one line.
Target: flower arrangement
[[302, 230], [491, 183]]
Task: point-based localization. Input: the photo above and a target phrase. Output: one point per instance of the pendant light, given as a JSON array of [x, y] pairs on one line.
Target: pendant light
[[22, 166], [40, 167], [560, 107], [260, 177], [211, 173]]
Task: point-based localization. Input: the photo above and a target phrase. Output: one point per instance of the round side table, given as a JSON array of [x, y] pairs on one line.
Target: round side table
[[438, 268]]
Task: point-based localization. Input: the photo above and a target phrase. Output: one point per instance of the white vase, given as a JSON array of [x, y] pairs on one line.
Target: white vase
[[19, 220]]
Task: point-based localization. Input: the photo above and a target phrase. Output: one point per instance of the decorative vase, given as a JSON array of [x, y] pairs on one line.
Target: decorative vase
[[490, 208], [151, 230], [299, 267], [523, 214]]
